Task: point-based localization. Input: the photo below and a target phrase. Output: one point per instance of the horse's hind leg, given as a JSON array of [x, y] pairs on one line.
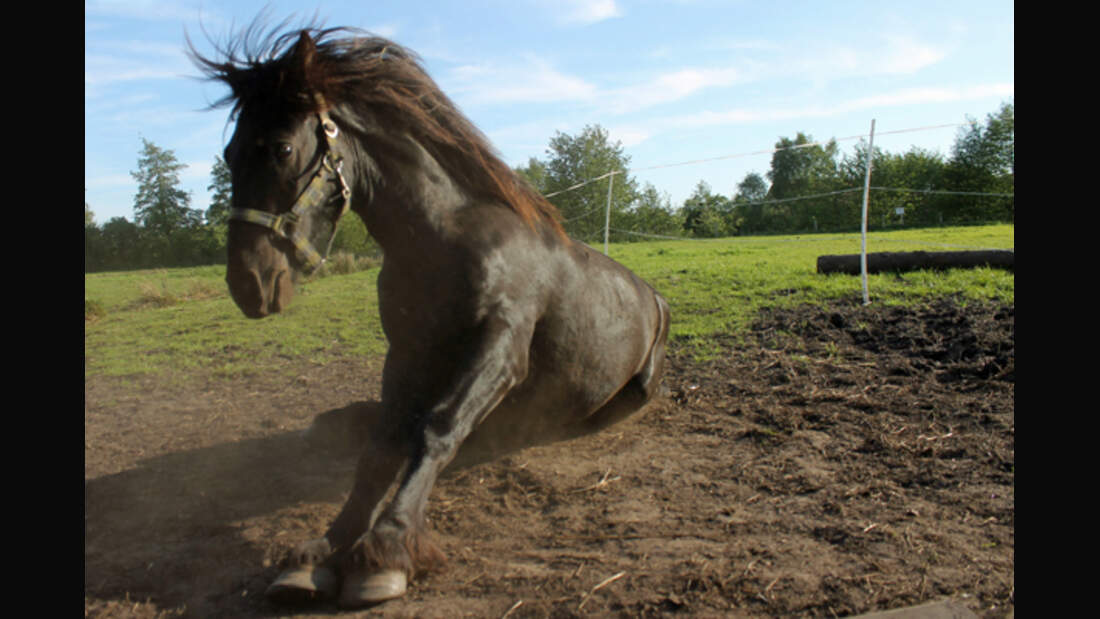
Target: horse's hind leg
[[633, 397], [639, 391]]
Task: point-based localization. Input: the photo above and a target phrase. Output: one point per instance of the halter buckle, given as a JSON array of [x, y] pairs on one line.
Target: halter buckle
[[284, 223]]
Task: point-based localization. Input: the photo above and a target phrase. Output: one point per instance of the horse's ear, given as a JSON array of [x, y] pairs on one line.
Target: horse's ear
[[302, 57]]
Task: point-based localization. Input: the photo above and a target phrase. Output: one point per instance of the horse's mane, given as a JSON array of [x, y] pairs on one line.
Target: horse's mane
[[369, 73]]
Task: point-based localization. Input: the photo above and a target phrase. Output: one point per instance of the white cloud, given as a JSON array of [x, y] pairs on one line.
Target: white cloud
[[669, 87], [588, 11], [904, 55], [629, 136], [388, 31], [886, 55], [916, 96], [111, 62], [919, 96], [533, 80], [537, 81], [633, 134]]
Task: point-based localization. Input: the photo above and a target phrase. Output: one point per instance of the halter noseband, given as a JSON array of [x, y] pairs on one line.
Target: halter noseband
[[314, 196]]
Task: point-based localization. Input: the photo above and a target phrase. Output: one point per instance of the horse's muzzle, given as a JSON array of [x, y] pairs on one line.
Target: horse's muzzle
[[259, 294]]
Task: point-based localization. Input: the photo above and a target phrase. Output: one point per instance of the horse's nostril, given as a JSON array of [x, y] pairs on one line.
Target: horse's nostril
[[278, 291], [247, 291]]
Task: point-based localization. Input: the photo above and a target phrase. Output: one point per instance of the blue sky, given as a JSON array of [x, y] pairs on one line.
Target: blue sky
[[673, 80]]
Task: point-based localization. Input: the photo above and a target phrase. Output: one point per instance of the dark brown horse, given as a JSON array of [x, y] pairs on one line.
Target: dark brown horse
[[503, 333]]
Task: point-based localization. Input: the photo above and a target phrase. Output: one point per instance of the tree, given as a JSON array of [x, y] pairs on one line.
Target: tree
[[535, 173], [983, 160], [748, 202], [800, 168], [650, 214], [752, 188], [122, 246], [93, 245], [573, 160], [352, 237], [160, 206], [706, 214], [221, 185], [901, 182]]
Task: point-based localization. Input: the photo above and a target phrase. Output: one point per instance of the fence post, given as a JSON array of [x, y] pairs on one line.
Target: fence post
[[607, 217], [863, 231]]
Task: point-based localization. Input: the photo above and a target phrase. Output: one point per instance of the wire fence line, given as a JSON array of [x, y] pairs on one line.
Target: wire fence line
[[946, 193], [806, 197], [610, 176], [816, 238], [767, 151], [866, 189]]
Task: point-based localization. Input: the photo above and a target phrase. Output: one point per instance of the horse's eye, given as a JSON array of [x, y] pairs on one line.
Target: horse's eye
[[283, 150]]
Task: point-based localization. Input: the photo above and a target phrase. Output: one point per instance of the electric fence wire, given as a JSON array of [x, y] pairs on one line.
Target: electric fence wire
[[776, 150], [650, 235]]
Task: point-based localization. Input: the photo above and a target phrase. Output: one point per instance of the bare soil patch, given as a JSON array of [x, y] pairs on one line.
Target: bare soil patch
[[829, 462]]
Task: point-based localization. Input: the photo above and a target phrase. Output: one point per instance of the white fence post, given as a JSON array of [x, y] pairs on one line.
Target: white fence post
[[607, 217], [863, 233]]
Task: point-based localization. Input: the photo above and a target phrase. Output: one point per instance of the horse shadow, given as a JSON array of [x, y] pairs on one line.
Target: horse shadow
[[194, 529]]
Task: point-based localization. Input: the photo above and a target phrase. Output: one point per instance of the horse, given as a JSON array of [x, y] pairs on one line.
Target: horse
[[503, 332]]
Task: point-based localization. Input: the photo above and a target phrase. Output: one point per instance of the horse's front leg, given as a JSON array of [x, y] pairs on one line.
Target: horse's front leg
[[313, 566], [396, 547]]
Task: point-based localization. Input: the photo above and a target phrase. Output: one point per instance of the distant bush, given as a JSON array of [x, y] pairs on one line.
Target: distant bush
[[152, 295], [93, 310], [157, 297], [201, 289], [344, 262]]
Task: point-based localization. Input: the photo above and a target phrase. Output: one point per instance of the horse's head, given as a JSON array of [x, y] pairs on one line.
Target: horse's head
[[286, 160], [289, 188]]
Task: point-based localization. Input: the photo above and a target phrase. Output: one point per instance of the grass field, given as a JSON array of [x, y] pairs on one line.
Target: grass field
[[173, 321]]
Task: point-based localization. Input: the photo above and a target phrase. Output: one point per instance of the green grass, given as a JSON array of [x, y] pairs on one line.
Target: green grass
[[720, 286], [175, 320], [127, 289], [330, 317]]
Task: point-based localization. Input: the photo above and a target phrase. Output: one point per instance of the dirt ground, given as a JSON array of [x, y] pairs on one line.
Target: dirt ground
[[830, 463]]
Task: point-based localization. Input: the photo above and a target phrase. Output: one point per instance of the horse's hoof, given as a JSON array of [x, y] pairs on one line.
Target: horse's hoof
[[303, 584], [361, 589]]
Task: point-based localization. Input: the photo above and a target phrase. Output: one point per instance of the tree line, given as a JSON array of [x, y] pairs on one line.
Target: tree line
[[167, 232], [809, 187]]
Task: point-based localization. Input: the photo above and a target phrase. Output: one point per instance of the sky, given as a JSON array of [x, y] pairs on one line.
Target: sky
[[675, 82]]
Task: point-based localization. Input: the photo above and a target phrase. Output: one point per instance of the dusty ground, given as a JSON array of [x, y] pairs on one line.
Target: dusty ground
[[833, 463]]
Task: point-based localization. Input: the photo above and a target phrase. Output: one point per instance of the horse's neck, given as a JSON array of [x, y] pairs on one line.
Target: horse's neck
[[411, 203]]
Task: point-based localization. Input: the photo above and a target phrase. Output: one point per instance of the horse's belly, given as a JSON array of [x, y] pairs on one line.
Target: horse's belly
[[572, 373], [595, 335]]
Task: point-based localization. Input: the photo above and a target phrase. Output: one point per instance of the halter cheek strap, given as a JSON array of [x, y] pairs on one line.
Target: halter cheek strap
[[316, 195]]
